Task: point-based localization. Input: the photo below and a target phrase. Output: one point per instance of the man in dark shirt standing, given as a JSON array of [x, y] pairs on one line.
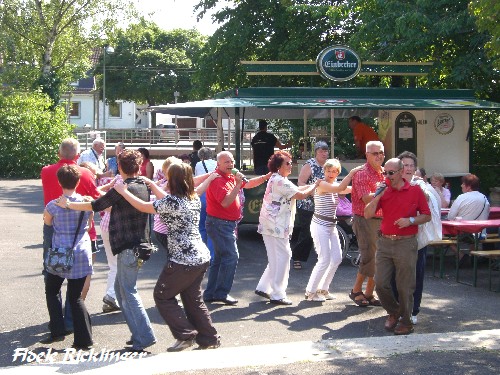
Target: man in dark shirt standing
[[263, 144]]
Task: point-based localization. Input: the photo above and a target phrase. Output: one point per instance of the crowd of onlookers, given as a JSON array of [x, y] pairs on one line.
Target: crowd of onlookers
[[192, 206]]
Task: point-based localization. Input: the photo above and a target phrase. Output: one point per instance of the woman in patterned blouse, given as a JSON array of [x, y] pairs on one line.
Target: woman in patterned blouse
[[188, 257], [276, 224]]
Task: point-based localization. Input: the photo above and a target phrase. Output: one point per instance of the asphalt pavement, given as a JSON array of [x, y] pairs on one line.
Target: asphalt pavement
[[458, 329]]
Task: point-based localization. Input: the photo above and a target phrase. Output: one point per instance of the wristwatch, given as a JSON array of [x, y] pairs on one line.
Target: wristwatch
[[412, 220], [67, 204]]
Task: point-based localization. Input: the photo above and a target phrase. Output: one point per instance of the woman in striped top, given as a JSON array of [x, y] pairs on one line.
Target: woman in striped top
[[324, 231]]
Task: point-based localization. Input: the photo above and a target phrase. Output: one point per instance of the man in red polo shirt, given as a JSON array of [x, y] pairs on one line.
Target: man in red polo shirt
[[68, 154], [404, 208], [223, 214], [364, 184]]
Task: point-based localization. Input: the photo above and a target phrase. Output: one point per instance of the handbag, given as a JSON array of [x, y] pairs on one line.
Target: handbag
[[143, 250], [61, 259]]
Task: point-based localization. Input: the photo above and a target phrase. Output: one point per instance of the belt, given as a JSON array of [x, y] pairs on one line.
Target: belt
[[326, 218], [375, 217], [394, 237]]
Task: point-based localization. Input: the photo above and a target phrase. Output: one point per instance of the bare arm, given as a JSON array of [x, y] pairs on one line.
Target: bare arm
[[371, 207], [229, 198], [64, 202], [343, 187], [137, 203], [256, 181], [304, 174], [305, 191], [47, 218], [150, 169], [203, 186]]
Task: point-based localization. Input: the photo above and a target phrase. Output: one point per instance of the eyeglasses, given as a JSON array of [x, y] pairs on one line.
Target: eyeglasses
[[390, 173], [381, 153], [288, 163]]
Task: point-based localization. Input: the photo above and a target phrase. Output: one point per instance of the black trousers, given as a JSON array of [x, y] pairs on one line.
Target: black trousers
[[304, 244], [81, 318], [194, 321]]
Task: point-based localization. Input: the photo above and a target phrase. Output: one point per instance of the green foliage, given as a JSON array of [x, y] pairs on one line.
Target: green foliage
[[443, 32], [486, 13], [264, 30], [30, 133], [48, 44], [486, 149], [149, 64]]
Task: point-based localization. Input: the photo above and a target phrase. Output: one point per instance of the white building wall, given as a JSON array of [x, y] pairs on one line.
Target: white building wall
[[444, 153], [86, 110]]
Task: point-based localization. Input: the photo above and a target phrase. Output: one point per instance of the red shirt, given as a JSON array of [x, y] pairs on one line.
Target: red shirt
[[363, 134], [407, 202], [363, 183], [52, 189], [216, 192]]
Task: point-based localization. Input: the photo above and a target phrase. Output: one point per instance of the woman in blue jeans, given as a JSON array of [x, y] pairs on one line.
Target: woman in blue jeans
[[65, 224], [188, 258]]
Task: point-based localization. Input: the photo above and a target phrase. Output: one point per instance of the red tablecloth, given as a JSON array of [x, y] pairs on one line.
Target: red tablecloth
[[451, 227], [494, 212]]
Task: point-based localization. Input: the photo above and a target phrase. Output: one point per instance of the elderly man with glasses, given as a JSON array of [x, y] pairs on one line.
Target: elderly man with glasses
[[364, 185], [404, 208]]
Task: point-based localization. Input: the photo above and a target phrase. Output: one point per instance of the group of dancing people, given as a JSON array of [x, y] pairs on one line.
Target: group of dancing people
[[177, 209]]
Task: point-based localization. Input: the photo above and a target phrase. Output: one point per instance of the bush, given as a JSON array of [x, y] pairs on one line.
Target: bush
[[486, 149], [30, 133]]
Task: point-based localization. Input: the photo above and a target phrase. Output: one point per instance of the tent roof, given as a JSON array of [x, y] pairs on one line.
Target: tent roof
[[289, 103]]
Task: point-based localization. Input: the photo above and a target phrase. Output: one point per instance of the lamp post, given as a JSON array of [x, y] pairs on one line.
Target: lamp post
[[176, 95], [105, 50]]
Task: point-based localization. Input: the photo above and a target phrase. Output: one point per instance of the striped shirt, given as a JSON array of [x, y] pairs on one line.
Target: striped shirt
[[325, 205]]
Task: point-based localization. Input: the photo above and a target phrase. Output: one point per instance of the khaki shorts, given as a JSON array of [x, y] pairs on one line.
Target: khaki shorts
[[366, 231]]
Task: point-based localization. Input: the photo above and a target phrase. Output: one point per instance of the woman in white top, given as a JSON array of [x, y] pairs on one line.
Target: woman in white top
[[324, 231], [276, 225]]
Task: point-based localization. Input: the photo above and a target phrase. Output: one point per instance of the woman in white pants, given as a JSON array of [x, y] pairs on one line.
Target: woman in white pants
[[276, 225], [324, 231]]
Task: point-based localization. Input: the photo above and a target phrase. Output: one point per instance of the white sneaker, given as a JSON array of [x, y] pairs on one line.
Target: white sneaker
[[326, 294], [315, 297], [414, 319]]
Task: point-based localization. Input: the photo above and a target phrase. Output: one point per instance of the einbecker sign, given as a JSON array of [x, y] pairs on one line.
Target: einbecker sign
[[338, 63]]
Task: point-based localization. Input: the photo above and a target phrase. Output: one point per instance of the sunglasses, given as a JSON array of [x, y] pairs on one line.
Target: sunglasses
[[381, 153], [288, 163], [390, 173]]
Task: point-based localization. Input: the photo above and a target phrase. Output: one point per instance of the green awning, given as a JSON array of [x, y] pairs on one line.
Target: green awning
[[290, 102]]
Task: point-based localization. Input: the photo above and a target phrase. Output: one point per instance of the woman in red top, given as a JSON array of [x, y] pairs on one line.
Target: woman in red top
[[147, 168]]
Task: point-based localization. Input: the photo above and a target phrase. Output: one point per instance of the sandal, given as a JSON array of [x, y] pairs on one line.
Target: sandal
[[360, 302], [297, 265], [373, 301]]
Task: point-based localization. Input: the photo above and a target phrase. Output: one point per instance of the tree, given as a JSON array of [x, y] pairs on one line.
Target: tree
[[443, 32], [150, 64], [30, 133], [264, 30], [48, 44], [486, 13]]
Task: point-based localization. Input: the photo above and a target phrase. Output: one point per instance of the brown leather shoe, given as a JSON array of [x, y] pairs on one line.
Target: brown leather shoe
[[403, 329], [391, 322]]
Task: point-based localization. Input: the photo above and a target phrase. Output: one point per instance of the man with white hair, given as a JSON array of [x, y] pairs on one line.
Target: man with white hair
[[95, 155], [223, 214]]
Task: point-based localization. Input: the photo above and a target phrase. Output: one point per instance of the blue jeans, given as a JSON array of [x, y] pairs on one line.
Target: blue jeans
[[48, 232], [201, 226], [130, 302], [225, 260]]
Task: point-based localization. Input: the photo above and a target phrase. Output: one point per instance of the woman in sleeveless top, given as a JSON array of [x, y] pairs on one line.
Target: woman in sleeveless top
[[324, 231]]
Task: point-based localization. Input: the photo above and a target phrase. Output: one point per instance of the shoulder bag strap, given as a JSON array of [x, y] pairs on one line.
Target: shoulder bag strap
[[204, 166], [80, 219], [484, 205]]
